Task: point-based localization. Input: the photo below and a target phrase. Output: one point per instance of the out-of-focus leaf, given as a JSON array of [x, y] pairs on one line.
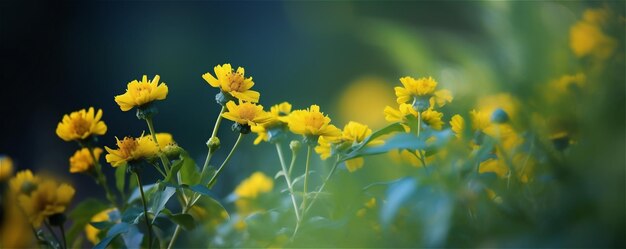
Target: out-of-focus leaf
[[102, 225], [136, 195], [397, 194], [115, 231], [132, 237], [259, 224], [81, 215], [184, 220], [120, 178], [131, 215]]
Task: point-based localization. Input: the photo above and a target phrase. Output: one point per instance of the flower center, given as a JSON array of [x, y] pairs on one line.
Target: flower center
[[143, 89], [81, 126], [314, 120], [127, 146], [247, 112], [235, 81]]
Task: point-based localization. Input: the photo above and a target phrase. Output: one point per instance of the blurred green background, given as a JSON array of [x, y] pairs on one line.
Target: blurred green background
[[61, 57]]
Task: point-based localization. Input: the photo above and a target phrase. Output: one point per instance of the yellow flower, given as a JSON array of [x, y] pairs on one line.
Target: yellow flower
[[457, 124], [246, 113], [413, 89], [587, 37], [79, 125], [131, 149], [6, 167], [15, 230], [433, 118], [370, 204], [281, 112], [139, 94], [82, 161], [49, 198], [522, 162], [233, 83], [480, 120], [278, 116], [495, 166], [353, 133], [24, 182], [163, 139], [249, 189], [361, 97], [312, 122], [93, 232]]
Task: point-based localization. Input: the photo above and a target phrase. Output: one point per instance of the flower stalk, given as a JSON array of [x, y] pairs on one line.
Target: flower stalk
[[279, 150], [145, 209]]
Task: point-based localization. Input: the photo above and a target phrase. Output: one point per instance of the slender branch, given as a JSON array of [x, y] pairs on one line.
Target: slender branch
[[165, 161], [330, 174], [219, 170], [294, 156], [52, 232], [213, 134], [145, 210], [100, 178], [306, 177], [279, 149], [63, 236]]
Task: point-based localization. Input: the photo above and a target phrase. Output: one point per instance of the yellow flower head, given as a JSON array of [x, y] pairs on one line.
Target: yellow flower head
[[249, 189], [480, 120], [246, 113], [278, 116], [353, 133], [233, 82], [312, 122], [433, 118], [79, 125], [429, 117], [49, 198], [6, 167], [457, 124], [587, 37], [24, 182], [131, 149], [141, 93], [421, 89], [82, 161], [163, 139], [93, 232], [281, 112]]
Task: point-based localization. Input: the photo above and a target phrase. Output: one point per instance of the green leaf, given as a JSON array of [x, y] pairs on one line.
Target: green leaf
[[103, 225], [115, 231], [397, 194], [120, 178], [394, 127], [176, 166], [203, 190], [131, 215], [184, 220], [159, 198], [81, 215], [189, 172]]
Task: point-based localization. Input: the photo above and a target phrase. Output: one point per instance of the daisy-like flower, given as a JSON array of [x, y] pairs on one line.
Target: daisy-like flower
[[141, 93], [82, 161], [6, 167], [433, 118], [588, 38], [92, 232], [248, 191], [233, 82], [80, 125], [47, 199], [421, 92], [24, 182], [457, 124], [246, 114], [312, 123], [353, 133], [130, 150], [430, 117], [278, 119]]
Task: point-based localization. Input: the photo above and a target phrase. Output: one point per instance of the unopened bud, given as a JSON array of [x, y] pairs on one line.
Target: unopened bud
[[213, 143], [295, 145]]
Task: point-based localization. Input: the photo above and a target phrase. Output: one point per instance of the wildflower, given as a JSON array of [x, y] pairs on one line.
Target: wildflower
[[421, 92], [6, 167], [93, 232], [249, 190], [457, 124], [24, 182], [245, 115], [587, 37], [433, 118], [430, 117], [82, 160], [370, 204], [142, 93], [522, 163], [47, 199], [278, 118], [494, 165], [312, 123], [498, 102], [233, 83], [361, 97], [80, 125], [353, 133], [130, 150]]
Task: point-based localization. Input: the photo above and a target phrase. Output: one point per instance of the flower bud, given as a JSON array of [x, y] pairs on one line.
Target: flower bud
[[213, 144], [499, 116], [295, 146]]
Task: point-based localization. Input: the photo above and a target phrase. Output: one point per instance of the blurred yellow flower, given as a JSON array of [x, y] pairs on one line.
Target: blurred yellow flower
[[15, 230], [433, 118], [79, 125], [278, 117], [370, 204], [501, 101], [522, 162], [131, 149], [587, 37], [82, 161], [361, 97], [422, 88], [430, 117], [6, 167], [47, 199], [24, 182], [141, 93], [246, 113], [163, 139], [457, 124], [233, 82], [494, 165], [312, 122], [281, 112], [353, 133], [93, 232], [480, 120], [249, 189]]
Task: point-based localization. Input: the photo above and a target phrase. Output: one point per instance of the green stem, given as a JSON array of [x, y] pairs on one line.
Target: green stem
[[100, 178], [330, 174], [165, 161], [419, 127], [63, 236], [219, 170], [210, 153], [279, 149], [306, 177], [294, 156], [52, 232], [145, 210]]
